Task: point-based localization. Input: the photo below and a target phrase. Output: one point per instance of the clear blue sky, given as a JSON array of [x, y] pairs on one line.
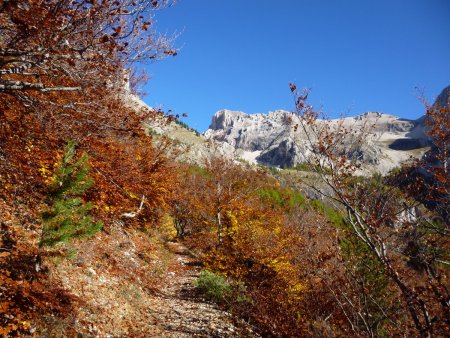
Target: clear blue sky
[[355, 55]]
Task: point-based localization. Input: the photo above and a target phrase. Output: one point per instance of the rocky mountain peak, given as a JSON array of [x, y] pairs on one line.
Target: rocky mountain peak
[[443, 100], [225, 118], [269, 139]]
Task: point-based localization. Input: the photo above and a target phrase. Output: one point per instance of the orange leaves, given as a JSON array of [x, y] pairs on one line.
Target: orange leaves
[[128, 168], [245, 230]]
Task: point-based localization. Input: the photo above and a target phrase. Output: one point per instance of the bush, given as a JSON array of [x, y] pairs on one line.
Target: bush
[[214, 286], [68, 216], [281, 197], [271, 195]]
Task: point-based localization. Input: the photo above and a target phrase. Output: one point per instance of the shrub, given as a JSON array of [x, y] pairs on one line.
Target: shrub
[[214, 286], [271, 195], [281, 197]]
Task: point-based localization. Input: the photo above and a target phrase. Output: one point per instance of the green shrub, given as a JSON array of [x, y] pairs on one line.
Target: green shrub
[[198, 170], [333, 215], [68, 217], [306, 166], [214, 286], [281, 197], [296, 198], [271, 195], [186, 126]]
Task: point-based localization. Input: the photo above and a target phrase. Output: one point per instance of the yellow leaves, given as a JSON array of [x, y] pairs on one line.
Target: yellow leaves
[[297, 288], [295, 292], [288, 272], [46, 174], [280, 265], [234, 224], [25, 324], [29, 146], [47, 169], [132, 195], [167, 226], [277, 230]]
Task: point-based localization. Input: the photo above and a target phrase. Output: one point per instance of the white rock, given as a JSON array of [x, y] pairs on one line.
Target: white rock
[[271, 139]]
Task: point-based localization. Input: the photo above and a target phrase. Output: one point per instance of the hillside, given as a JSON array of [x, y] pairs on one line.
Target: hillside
[[118, 221], [190, 146]]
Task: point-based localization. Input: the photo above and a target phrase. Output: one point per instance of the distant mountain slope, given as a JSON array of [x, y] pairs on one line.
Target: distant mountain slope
[[268, 138], [443, 100]]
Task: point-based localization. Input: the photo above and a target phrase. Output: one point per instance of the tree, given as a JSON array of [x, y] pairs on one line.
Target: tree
[[375, 219], [66, 64], [64, 69], [437, 161], [245, 226], [53, 45], [69, 216]]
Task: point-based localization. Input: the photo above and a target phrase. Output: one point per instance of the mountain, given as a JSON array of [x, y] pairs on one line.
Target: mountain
[[443, 100], [270, 138], [191, 147]]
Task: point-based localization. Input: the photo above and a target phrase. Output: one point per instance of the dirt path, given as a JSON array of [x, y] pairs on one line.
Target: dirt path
[[180, 311], [131, 285]]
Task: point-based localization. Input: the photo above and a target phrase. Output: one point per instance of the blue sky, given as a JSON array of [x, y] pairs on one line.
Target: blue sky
[[355, 55]]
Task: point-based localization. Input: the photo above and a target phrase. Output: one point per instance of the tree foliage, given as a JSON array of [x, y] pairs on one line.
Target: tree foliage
[[371, 259], [390, 223], [68, 217], [49, 46], [64, 74], [267, 239]]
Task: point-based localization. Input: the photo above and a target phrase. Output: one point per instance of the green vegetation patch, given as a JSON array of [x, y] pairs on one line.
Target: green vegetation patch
[[281, 197], [68, 216], [215, 286]]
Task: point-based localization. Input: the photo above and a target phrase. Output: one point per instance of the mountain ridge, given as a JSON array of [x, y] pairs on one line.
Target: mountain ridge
[[269, 139]]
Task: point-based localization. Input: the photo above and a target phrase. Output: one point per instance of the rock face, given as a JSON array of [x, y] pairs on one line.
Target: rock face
[[270, 139], [443, 100]]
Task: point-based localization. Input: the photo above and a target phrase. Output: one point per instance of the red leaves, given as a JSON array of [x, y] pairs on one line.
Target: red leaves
[[171, 52], [145, 25], [117, 31], [292, 87]]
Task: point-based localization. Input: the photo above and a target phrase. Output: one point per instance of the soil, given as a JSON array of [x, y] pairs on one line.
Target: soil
[[128, 284]]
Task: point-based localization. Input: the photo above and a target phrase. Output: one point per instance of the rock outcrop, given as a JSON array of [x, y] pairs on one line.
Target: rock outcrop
[[270, 138], [443, 100]]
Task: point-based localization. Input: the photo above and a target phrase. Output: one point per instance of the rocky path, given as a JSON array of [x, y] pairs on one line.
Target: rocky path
[[180, 311], [128, 284]]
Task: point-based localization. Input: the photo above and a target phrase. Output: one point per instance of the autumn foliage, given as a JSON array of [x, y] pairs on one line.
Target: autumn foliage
[[368, 259], [63, 77], [74, 155], [404, 233], [257, 234]]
